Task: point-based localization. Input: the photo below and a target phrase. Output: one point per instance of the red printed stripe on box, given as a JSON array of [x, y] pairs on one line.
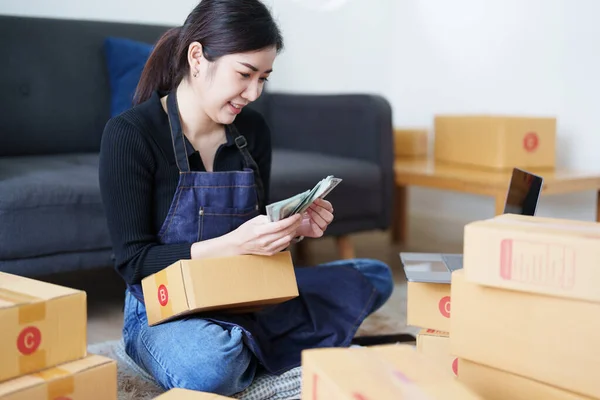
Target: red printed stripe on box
[[538, 263]]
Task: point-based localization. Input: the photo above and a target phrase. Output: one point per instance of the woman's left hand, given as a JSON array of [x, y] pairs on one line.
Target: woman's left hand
[[316, 219]]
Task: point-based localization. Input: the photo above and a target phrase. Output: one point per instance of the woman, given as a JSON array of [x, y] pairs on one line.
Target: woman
[[184, 174]]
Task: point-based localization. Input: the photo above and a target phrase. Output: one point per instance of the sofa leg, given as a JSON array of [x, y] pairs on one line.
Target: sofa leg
[[345, 247], [302, 251]]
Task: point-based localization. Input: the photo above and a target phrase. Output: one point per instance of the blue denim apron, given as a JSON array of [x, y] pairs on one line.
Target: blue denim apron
[[333, 300]]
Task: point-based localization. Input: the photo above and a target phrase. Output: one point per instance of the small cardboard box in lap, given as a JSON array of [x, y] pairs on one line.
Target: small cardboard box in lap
[[231, 284]]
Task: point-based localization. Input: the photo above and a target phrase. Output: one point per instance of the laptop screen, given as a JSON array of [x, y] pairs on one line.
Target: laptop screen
[[523, 193]]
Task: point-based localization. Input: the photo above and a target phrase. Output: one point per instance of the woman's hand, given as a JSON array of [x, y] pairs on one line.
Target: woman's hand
[[261, 237], [316, 219]]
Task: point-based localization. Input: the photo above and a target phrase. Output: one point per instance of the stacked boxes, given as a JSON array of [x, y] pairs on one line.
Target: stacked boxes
[[526, 307], [428, 307], [411, 142], [43, 344], [436, 345]]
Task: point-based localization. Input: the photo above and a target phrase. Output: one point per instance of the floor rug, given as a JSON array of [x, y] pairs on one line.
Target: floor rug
[[135, 384]]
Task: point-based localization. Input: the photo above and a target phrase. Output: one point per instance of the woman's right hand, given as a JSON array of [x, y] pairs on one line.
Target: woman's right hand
[[259, 236]]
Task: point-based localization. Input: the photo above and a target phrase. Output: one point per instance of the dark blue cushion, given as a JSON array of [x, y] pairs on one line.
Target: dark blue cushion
[[125, 60]]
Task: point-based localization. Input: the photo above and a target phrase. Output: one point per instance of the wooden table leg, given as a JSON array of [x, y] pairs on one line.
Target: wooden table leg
[[302, 252], [400, 215], [598, 206], [345, 247], [500, 199]]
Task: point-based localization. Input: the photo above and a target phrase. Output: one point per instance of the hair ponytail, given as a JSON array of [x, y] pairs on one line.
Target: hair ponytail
[[158, 71], [222, 27]]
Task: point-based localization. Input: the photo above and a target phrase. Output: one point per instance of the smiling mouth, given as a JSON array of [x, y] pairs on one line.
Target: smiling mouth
[[238, 106]]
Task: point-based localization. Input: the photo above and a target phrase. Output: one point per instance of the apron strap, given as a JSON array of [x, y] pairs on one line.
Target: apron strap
[[177, 135], [242, 145], [181, 158]]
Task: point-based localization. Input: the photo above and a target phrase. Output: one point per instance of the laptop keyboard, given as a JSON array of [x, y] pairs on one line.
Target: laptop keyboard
[[453, 261]]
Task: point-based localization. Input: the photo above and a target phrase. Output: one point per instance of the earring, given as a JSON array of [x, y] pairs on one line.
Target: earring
[[195, 74]]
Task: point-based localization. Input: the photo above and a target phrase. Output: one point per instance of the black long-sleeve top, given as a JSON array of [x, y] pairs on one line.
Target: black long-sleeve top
[[138, 178]]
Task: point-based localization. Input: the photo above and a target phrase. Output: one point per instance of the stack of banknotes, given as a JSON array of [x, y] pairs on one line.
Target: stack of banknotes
[[300, 202]]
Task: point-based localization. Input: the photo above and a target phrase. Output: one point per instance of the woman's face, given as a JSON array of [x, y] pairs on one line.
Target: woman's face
[[224, 87]]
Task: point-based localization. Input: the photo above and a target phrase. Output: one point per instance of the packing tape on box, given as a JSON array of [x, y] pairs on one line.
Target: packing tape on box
[[31, 309], [32, 362], [60, 382], [162, 292]]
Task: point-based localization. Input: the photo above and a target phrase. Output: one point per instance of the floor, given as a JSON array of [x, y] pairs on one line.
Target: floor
[[105, 289]]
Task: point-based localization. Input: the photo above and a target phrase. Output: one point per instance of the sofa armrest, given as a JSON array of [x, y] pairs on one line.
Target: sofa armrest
[[353, 126], [346, 125]]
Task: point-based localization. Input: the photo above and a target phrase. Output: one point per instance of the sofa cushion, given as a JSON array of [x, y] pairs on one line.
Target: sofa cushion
[[359, 195], [49, 205], [56, 99]]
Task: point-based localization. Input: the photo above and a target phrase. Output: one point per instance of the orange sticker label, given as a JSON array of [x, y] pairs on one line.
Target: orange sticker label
[[444, 306], [29, 340], [531, 142], [163, 295]]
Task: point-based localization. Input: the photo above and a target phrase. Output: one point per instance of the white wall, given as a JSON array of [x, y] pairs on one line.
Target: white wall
[[151, 11], [502, 56], [534, 57], [428, 56]]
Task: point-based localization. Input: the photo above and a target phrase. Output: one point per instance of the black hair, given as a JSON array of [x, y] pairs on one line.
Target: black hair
[[222, 27]]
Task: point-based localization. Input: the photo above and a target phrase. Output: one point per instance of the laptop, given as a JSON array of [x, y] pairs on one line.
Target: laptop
[[522, 198]]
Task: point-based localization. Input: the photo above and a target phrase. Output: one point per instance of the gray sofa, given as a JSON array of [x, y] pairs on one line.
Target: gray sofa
[[55, 100]]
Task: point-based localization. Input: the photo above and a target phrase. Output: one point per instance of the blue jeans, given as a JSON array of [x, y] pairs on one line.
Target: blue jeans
[[196, 354]]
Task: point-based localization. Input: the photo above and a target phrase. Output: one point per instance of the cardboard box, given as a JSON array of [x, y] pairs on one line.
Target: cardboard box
[[494, 384], [549, 339], [411, 142], [237, 284], [380, 372], [428, 305], [184, 394], [436, 345], [544, 220], [538, 255], [42, 325], [91, 378], [495, 141]]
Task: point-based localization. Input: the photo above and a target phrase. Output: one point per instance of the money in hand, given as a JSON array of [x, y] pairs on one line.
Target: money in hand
[[283, 208], [300, 202]]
